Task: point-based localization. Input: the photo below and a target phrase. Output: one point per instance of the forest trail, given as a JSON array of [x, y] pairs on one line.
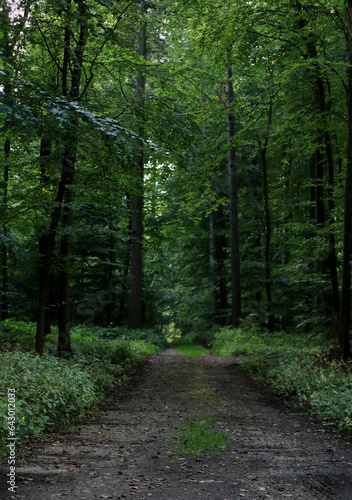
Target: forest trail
[[126, 451]]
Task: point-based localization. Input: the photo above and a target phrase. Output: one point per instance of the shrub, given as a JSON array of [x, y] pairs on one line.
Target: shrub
[[295, 364], [48, 391], [52, 390]]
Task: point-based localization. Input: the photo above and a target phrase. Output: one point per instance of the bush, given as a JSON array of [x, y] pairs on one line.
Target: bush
[[52, 390], [48, 391], [14, 333], [326, 389], [148, 335], [295, 364]]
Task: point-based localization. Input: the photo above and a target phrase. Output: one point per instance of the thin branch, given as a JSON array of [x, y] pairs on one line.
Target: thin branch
[[122, 112], [273, 37], [47, 45], [23, 211], [99, 51], [326, 63]]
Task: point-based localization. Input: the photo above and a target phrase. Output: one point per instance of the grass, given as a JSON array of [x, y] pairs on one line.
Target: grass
[[199, 436], [187, 347]]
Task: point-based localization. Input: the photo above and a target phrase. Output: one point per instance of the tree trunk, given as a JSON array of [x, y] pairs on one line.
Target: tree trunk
[[69, 161], [7, 48], [330, 263], [46, 248], [218, 245], [319, 100], [45, 151], [233, 196], [319, 189], [270, 304], [110, 303], [126, 266], [345, 305], [64, 342], [312, 188], [136, 296], [332, 259], [4, 270]]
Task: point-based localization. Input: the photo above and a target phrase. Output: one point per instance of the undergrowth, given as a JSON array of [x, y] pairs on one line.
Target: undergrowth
[[297, 364], [56, 391]]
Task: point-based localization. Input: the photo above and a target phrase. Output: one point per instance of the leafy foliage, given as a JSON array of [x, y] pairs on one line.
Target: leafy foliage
[[295, 364], [48, 391], [53, 391]]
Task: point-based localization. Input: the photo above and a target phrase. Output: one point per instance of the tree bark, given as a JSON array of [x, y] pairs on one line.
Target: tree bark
[[7, 48], [233, 196], [64, 195], [217, 249], [110, 302], [325, 134], [136, 295]]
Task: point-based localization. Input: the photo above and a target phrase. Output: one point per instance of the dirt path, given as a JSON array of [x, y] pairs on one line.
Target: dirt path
[[126, 450]]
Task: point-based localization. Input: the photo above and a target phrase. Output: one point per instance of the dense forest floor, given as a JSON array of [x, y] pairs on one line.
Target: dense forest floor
[[129, 448]]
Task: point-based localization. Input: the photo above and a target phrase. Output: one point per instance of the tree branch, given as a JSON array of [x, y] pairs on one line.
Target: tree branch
[[46, 44], [99, 51]]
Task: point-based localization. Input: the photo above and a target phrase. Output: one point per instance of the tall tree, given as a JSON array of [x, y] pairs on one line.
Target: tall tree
[[68, 170], [72, 61], [263, 148], [136, 295], [233, 195], [345, 308], [321, 108]]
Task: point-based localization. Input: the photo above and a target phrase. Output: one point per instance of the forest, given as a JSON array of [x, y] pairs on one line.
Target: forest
[[175, 169]]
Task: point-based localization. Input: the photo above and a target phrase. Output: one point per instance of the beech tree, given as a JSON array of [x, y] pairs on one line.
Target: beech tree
[[136, 297], [345, 311], [233, 196]]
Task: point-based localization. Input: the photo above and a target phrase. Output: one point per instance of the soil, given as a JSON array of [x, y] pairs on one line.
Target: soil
[[128, 449]]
